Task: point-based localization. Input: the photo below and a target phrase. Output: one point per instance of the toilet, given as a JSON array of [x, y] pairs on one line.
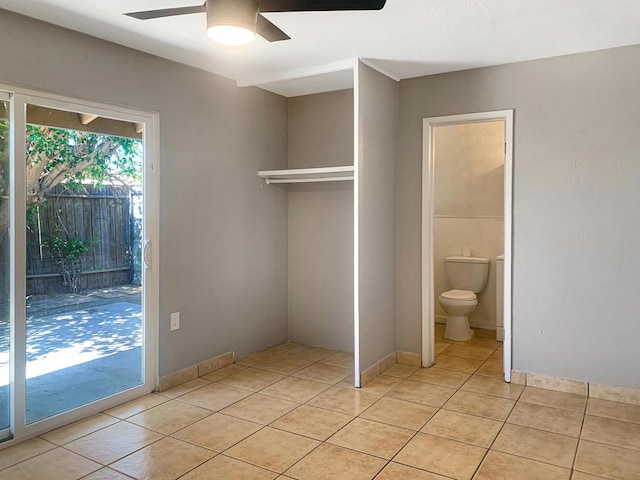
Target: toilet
[[468, 276]]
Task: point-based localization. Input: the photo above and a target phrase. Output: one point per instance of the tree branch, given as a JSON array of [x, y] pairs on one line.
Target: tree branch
[[42, 177]]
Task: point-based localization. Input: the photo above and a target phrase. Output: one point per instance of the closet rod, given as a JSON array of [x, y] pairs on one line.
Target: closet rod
[[307, 180], [307, 171]]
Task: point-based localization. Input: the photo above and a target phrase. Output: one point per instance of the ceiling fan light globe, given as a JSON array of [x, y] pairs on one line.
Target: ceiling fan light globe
[[231, 35]]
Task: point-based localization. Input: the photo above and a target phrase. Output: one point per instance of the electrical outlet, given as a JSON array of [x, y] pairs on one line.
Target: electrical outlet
[[175, 321]]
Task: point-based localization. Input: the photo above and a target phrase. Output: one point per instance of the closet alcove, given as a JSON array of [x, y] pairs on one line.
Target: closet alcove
[[341, 193]]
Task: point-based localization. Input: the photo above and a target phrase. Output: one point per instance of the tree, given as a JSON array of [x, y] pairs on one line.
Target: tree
[[56, 156], [4, 220], [71, 157], [4, 179]]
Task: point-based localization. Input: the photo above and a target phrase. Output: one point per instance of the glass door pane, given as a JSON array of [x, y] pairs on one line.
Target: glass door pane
[[5, 267], [84, 283]]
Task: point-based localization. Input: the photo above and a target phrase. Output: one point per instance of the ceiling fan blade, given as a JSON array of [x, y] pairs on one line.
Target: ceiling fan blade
[[269, 31], [167, 12], [319, 5]]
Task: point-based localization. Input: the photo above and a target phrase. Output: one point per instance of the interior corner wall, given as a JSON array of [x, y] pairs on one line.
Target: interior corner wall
[[223, 233], [321, 223], [376, 169], [576, 262]]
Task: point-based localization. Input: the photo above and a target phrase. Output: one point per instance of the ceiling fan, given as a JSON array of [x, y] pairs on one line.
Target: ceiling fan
[[236, 22]]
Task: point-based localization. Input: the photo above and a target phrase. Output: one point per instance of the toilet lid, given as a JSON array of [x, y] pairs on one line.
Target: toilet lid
[[459, 295]]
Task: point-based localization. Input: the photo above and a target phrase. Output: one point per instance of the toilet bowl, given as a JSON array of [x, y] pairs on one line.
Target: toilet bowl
[[458, 305]]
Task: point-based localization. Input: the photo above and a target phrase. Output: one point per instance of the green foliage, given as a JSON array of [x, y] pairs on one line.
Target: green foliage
[[70, 248], [32, 213], [72, 157], [4, 156], [68, 251], [84, 156], [75, 159]]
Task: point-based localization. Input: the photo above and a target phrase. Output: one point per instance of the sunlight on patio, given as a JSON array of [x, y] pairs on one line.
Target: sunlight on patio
[[72, 338], [61, 341]]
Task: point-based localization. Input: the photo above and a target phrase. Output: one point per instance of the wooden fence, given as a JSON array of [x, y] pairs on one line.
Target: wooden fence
[[101, 215]]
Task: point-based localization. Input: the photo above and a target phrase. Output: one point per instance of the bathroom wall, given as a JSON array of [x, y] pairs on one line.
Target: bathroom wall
[[321, 223], [469, 205], [576, 261]]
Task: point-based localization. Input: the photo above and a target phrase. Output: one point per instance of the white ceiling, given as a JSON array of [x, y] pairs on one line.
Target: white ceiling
[[408, 38]]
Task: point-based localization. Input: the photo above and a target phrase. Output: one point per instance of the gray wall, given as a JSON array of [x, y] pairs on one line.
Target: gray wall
[[321, 223], [377, 136], [576, 207], [223, 240]]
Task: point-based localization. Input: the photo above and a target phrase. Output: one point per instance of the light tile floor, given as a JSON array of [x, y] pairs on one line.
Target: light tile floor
[[291, 413]]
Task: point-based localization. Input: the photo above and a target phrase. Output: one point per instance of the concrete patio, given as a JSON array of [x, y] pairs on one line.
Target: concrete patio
[[80, 348]]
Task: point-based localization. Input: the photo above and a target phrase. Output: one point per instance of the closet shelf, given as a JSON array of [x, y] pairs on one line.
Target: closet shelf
[[308, 175]]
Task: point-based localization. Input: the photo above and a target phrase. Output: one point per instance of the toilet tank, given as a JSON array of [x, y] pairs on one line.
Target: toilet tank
[[467, 273]]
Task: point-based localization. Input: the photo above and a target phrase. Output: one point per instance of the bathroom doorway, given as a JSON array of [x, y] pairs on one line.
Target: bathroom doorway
[[467, 213]]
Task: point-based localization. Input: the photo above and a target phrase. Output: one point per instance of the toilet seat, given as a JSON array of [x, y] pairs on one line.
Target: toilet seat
[[458, 305], [458, 297]]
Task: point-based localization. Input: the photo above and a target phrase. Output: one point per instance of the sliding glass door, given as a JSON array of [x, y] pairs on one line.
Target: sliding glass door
[[81, 273], [84, 280], [5, 266]]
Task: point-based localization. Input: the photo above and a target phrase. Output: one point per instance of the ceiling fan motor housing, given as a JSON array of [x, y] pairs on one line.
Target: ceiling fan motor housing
[[239, 13]]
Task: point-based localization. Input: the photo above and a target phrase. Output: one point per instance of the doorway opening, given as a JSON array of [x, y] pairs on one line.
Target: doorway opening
[[466, 232]]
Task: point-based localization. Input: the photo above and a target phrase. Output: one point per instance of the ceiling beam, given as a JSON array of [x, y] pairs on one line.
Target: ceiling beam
[[49, 117], [86, 118], [303, 73]]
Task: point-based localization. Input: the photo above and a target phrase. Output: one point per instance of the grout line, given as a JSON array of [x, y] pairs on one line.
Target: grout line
[[359, 415], [354, 417], [497, 435], [438, 410], [575, 454], [198, 465], [118, 420], [541, 430], [569, 469], [628, 449], [564, 409], [119, 458], [263, 427], [303, 457], [110, 469], [321, 442], [252, 464], [520, 400], [249, 463]]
